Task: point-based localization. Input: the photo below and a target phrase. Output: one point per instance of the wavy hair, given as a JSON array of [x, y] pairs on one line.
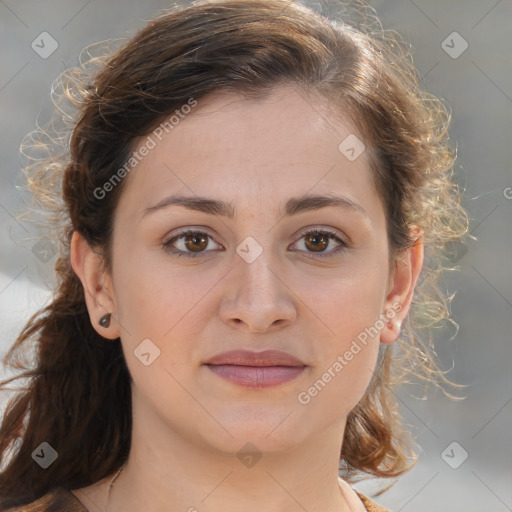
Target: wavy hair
[[78, 394]]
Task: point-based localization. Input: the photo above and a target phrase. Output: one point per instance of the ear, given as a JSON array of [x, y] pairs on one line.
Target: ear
[[88, 265], [401, 288]]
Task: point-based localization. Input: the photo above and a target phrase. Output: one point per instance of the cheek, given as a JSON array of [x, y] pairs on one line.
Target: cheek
[[337, 387], [348, 321], [345, 359], [165, 303], [343, 304]]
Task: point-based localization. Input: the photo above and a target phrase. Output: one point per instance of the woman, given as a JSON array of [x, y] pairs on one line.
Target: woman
[[248, 194]]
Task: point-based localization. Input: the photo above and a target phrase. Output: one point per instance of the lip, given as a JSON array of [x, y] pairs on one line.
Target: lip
[[256, 369], [249, 358]]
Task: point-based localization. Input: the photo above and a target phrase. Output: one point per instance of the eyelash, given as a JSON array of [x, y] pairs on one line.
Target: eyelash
[[332, 236]]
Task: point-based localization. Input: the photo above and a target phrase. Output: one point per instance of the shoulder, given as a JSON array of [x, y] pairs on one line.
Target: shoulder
[[370, 505], [58, 500]]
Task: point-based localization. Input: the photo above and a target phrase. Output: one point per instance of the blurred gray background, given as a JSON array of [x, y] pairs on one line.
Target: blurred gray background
[[466, 445]]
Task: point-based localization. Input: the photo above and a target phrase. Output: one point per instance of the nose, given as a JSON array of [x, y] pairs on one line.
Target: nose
[[258, 300]]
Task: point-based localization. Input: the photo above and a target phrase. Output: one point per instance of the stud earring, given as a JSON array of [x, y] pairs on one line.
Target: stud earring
[[105, 320]]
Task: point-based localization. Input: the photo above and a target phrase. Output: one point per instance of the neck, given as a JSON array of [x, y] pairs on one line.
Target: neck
[[169, 472]]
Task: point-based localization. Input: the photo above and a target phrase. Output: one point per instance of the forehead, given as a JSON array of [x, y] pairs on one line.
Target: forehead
[[253, 151]]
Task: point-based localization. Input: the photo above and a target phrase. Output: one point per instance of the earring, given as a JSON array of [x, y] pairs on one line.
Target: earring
[[105, 320]]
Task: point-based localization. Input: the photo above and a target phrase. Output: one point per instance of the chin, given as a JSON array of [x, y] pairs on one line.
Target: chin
[[267, 432]]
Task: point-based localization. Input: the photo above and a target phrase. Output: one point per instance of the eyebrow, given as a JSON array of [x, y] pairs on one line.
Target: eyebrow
[[294, 205]]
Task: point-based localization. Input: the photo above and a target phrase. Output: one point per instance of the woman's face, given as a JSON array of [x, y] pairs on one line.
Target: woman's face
[[255, 280]]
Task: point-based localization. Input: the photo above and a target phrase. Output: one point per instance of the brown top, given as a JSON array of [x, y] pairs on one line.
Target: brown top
[[62, 500], [370, 505]]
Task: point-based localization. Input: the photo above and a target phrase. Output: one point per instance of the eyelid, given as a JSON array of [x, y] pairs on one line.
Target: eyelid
[[190, 229], [336, 233]]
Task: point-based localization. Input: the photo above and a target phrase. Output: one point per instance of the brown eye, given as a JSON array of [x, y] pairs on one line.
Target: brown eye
[[196, 243], [190, 244], [317, 242]]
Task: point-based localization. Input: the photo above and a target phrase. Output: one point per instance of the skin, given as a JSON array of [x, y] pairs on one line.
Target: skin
[[188, 423]]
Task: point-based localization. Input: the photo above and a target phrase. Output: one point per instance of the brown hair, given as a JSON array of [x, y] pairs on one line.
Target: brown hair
[[78, 398]]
